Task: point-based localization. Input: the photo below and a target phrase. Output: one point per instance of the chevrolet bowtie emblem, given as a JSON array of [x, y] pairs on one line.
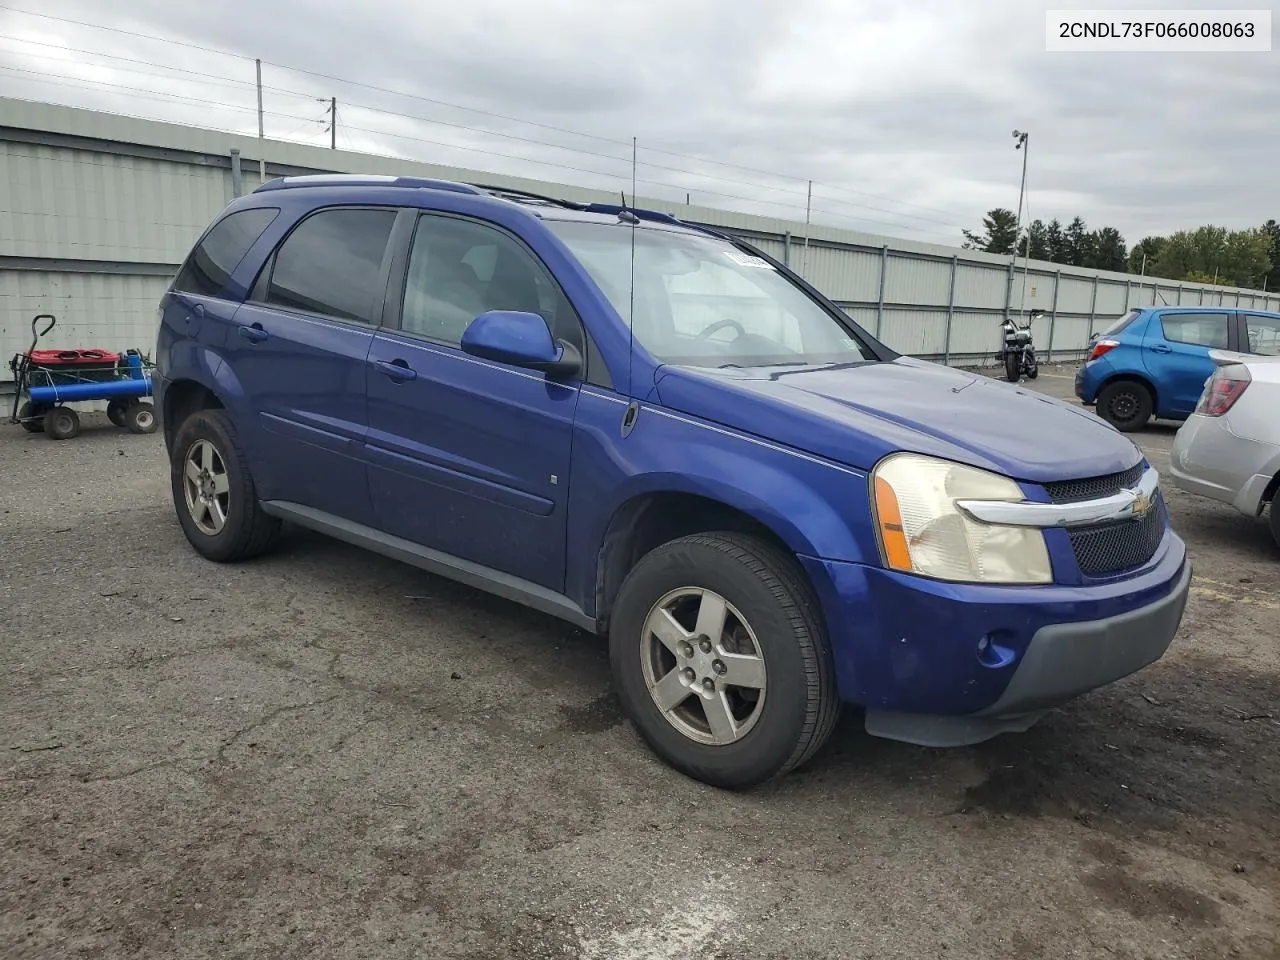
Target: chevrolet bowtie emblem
[[1141, 504]]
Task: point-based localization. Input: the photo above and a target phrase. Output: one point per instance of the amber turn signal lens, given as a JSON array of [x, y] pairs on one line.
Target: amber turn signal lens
[[892, 536]]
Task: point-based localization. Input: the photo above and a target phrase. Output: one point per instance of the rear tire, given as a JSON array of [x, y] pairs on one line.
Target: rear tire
[[775, 700], [1033, 368], [115, 411], [1125, 404], [61, 423], [31, 416], [140, 417], [1275, 519], [213, 491], [1011, 364]]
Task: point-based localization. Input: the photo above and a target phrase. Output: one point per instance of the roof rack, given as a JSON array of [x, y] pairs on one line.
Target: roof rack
[[365, 180], [512, 192]]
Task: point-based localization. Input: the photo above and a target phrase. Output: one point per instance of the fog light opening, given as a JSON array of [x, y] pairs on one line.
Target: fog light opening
[[994, 650]]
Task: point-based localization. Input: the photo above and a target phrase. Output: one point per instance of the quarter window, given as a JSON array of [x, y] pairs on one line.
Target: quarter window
[[1263, 333], [331, 262], [1199, 329], [459, 269], [209, 267]]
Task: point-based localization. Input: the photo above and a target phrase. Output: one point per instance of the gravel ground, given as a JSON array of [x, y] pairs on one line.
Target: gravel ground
[[328, 754]]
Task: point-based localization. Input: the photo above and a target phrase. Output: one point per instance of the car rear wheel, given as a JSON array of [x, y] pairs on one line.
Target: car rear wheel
[[213, 491], [721, 659], [1125, 404]]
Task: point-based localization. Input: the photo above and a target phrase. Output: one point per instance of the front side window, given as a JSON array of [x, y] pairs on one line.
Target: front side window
[[1197, 329], [1264, 334], [701, 301], [209, 267], [459, 269], [331, 262]]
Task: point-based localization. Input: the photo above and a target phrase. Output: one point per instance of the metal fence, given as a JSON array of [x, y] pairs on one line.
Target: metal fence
[[97, 211]]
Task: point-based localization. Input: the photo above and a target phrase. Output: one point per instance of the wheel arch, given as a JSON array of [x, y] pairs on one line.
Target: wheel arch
[[651, 518]]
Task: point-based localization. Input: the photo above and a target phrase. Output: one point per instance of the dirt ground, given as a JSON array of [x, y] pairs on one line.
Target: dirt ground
[[327, 754]]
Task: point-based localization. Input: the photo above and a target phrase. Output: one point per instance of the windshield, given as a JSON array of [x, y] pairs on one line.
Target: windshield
[[700, 301]]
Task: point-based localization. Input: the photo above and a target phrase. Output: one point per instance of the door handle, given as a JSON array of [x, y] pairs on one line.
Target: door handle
[[198, 311], [397, 370], [1161, 348], [254, 333]]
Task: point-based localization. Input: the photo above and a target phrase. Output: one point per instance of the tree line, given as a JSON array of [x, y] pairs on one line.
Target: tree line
[[1247, 258]]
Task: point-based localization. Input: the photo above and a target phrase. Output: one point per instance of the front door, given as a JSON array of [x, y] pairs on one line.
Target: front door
[[299, 347], [1179, 360], [469, 456]]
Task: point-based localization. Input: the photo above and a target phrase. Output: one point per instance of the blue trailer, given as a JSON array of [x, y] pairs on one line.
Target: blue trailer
[[47, 380]]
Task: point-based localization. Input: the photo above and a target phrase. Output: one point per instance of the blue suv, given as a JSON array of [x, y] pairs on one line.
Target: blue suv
[[662, 435], [1154, 361]]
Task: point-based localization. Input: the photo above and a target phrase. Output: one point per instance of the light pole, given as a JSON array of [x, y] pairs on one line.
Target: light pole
[[1020, 143]]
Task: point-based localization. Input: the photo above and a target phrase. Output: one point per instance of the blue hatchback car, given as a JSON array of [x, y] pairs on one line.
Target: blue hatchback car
[[1154, 361], [661, 435]]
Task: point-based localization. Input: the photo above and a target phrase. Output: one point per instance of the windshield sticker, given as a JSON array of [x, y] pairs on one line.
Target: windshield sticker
[[747, 260]]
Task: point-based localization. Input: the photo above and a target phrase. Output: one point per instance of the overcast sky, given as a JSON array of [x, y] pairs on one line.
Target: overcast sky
[[900, 113]]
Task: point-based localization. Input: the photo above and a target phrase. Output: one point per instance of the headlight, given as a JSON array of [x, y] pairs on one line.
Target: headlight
[[922, 531]]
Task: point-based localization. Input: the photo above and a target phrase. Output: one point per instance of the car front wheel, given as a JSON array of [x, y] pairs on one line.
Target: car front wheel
[[721, 659]]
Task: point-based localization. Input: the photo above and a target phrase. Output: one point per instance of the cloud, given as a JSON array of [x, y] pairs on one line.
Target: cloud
[[900, 114]]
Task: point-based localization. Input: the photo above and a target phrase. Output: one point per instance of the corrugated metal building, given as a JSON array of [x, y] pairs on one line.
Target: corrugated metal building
[[97, 211]]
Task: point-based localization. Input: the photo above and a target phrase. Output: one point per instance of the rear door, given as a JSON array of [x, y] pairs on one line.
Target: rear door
[[470, 456], [1260, 333], [1177, 345], [299, 347]]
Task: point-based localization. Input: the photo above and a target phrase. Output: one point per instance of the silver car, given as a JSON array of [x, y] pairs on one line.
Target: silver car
[[1229, 449]]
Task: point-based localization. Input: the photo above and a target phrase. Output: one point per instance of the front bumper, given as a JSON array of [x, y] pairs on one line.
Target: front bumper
[[945, 664]]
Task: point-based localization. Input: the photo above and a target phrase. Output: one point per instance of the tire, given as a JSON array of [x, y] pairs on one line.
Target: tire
[[1011, 364], [793, 711], [31, 416], [230, 525], [1033, 368], [140, 417], [1125, 404], [115, 411], [1275, 519], [61, 423]]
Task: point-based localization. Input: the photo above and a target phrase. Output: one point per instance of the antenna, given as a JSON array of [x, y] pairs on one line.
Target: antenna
[[631, 314]]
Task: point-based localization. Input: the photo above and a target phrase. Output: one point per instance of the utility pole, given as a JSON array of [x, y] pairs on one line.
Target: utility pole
[[333, 123], [262, 143], [1020, 138], [808, 207]]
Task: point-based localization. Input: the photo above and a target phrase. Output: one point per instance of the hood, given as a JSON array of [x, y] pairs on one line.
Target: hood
[[857, 413]]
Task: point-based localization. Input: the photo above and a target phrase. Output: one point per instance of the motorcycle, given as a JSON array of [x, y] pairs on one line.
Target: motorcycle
[[1018, 351]]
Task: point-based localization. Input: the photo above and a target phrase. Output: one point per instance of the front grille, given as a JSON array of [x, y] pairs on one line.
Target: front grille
[[1116, 547], [1094, 488]]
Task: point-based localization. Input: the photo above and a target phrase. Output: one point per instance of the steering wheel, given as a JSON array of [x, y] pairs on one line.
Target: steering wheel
[[721, 325]]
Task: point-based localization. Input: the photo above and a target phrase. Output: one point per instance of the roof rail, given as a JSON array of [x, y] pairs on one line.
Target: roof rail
[[365, 180], [652, 215], [512, 192]]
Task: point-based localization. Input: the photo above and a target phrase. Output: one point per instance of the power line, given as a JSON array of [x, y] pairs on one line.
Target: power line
[[476, 110]]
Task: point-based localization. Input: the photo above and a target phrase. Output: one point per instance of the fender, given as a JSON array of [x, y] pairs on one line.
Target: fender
[[817, 508]]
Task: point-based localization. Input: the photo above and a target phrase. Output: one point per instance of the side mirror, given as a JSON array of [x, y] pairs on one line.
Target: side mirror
[[522, 340]]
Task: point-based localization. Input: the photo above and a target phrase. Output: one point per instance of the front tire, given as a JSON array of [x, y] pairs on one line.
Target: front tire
[[721, 659], [213, 491], [31, 416], [1275, 520], [61, 423], [1011, 364], [139, 417], [1126, 405], [1032, 368]]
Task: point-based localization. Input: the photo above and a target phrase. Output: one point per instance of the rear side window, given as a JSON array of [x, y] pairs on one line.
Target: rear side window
[[209, 267], [1198, 329], [1264, 334], [1120, 324], [331, 262]]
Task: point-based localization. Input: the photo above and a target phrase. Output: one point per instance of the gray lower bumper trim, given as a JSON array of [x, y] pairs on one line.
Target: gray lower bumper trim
[[1062, 661]]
